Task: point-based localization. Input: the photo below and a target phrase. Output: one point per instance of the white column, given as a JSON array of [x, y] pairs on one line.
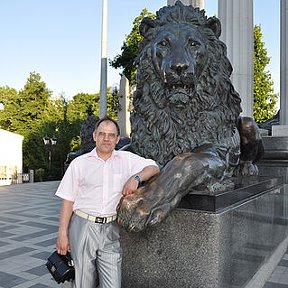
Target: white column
[[103, 75], [236, 18], [194, 3], [283, 63], [123, 108]]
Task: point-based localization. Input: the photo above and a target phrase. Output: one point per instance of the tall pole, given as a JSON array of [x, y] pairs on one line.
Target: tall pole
[[284, 63], [49, 160], [103, 77]]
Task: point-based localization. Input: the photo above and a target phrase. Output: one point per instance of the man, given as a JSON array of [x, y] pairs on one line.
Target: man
[[91, 189]]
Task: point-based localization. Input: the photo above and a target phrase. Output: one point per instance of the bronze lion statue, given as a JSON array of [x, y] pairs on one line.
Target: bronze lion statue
[[186, 115]]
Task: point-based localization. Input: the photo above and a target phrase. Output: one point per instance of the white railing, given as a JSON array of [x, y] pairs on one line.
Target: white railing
[[20, 178]]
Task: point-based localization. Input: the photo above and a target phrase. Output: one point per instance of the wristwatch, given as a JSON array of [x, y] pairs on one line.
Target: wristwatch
[[137, 177]]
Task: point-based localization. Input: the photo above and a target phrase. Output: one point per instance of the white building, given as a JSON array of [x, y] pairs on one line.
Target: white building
[[10, 156]]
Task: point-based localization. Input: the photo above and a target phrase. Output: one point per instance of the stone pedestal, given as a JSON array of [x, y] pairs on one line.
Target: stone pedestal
[[275, 160], [209, 241], [280, 130]]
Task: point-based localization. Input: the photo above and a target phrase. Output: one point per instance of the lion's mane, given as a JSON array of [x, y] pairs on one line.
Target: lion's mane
[[161, 133]]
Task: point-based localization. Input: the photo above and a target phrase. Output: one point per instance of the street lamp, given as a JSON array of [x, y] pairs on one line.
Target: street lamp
[[49, 143]]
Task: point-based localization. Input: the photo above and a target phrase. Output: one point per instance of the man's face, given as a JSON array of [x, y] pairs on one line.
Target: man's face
[[106, 138]]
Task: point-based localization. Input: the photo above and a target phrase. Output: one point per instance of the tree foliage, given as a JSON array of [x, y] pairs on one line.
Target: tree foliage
[[129, 48], [9, 101], [34, 113], [264, 97]]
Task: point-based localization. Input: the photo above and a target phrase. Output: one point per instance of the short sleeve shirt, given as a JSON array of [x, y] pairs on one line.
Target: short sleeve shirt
[[94, 185]]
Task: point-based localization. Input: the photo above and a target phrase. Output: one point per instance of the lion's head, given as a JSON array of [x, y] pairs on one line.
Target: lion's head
[[184, 97]]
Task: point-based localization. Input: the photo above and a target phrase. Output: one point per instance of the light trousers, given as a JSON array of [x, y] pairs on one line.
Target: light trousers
[[96, 252]]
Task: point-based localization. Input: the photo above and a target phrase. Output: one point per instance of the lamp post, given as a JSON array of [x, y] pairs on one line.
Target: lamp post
[[49, 143]]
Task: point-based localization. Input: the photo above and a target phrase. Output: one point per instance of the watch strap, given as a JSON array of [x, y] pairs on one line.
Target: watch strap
[[137, 177]]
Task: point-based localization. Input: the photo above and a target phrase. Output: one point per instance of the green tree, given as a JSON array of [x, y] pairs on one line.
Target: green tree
[[26, 110], [112, 102], [8, 109], [264, 97], [129, 48], [64, 131], [34, 112], [31, 113], [82, 105]]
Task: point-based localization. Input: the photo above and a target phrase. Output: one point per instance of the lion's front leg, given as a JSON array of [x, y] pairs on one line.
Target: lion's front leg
[[151, 203]]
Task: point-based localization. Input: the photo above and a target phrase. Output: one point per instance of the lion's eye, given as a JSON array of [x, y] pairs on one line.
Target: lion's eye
[[193, 43], [163, 43]]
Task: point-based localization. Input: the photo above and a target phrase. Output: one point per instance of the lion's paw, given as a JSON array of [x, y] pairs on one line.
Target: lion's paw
[[247, 169], [146, 207]]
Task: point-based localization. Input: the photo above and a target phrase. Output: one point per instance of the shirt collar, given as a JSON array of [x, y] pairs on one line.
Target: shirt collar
[[93, 154]]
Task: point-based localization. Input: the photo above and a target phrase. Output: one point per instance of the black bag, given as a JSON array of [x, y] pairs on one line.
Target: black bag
[[61, 267]]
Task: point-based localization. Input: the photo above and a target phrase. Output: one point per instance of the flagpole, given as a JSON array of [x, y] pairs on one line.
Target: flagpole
[[103, 75]]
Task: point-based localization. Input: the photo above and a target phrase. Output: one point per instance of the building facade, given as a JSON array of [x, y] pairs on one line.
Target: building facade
[[10, 157]]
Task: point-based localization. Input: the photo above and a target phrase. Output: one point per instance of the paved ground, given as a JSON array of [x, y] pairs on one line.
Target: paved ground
[[28, 230]]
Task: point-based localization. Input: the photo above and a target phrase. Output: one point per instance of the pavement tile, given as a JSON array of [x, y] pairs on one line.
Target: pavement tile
[[283, 262], [28, 229], [14, 252], [10, 280]]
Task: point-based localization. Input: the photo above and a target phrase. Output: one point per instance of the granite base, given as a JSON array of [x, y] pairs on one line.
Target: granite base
[[218, 247], [275, 160]]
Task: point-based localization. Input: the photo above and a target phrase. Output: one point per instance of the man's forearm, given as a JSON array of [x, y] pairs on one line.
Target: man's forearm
[[65, 216], [133, 182], [148, 172]]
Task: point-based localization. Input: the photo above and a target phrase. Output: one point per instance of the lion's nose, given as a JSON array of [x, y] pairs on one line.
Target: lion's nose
[[179, 67]]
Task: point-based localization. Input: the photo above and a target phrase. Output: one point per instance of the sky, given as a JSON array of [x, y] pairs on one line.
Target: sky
[[61, 40]]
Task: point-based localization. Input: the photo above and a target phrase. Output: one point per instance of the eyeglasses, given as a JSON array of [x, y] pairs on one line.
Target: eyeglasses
[[109, 135]]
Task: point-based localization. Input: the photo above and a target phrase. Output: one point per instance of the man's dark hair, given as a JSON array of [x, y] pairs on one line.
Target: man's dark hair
[[107, 118]]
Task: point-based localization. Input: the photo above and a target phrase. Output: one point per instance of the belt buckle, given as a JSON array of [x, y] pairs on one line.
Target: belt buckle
[[99, 220]]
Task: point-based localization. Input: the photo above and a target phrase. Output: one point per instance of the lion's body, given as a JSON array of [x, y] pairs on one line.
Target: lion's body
[[186, 113]]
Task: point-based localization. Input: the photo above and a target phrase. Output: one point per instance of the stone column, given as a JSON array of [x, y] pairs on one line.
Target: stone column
[[236, 17], [194, 3], [123, 109], [284, 63]]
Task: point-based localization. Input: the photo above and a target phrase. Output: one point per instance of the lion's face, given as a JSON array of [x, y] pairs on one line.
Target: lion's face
[[179, 56], [184, 97]]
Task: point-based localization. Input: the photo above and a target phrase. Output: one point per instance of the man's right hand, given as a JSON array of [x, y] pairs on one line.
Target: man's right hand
[[62, 244]]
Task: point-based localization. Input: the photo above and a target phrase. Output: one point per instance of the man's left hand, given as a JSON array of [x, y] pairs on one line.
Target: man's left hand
[[130, 186]]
